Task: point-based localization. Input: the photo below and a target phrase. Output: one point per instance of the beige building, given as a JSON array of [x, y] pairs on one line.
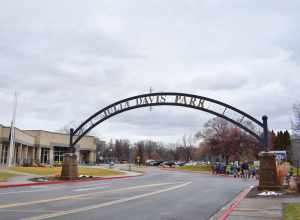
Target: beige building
[[43, 147]]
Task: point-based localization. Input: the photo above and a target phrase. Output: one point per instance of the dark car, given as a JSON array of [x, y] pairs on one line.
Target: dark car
[[168, 164], [155, 163], [180, 164]]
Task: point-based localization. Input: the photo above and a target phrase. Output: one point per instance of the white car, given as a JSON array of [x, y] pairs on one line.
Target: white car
[[191, 163], [148, 162]]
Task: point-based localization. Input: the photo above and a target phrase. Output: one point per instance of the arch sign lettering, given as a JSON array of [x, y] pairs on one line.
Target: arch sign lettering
[[202, 103]]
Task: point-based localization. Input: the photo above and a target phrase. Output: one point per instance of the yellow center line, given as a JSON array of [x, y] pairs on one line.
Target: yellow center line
[[78, 196]]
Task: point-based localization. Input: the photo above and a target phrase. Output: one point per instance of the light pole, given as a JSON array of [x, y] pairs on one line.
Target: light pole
[[110, 162], [110, 154], [129, 158]]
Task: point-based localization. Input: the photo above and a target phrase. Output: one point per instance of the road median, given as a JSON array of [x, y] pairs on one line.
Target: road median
[[21, 181]]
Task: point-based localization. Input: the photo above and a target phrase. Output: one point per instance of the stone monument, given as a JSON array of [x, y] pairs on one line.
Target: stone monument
[[70, 167], [268, 179]]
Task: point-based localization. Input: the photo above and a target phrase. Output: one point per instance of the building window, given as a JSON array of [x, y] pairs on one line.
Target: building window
[[3, 158], [84, 156], [45, 155], [16, 155], [59, 154]]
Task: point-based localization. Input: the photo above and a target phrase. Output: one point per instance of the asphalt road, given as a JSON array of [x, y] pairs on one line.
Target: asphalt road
[[158, 195]]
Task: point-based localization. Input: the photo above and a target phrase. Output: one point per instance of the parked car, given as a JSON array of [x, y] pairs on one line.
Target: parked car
[[156, 163], [180, 163], [111, 164], [191, 163], [168, 164], [148, 162]]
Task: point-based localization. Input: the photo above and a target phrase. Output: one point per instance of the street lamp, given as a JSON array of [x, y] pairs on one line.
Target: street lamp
[[110, 150], [129, 158], [111, 162]]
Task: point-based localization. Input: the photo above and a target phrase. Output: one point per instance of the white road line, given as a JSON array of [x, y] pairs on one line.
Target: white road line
[[29, 191], [91, 185], [91, 188], [47, 188], [87, 208], [38, 187], [79, 195]]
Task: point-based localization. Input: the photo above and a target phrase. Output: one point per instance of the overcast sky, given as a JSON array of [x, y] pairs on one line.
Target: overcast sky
[[68, 59]]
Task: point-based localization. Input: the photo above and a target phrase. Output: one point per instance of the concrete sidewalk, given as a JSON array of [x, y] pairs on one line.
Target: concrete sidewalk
[[260, 208]]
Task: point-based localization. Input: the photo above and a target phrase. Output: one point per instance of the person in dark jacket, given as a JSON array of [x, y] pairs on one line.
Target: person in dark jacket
[[245, 170]]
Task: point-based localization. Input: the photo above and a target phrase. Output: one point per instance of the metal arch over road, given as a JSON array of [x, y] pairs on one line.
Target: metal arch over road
[[172, 99]]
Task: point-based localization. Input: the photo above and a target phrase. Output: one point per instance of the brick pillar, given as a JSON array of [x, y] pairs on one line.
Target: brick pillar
[[30, 154], [51, 155], [21, 154], [38, 154], [268, 172], [92, 157], [70, 167], [26, 152], [1, 150]]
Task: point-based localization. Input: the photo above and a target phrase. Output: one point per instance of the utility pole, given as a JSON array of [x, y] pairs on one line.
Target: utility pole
[[12, 136]]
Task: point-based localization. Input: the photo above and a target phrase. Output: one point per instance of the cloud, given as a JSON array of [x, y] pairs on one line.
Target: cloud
[[69, 59]]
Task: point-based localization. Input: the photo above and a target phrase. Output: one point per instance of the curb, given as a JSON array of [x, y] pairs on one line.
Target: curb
[[184, 171], [199, 172], [234, 204], [66, 181]]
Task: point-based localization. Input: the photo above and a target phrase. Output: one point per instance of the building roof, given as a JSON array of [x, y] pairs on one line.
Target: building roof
[[20, 130], [40, 130], [54, 132]]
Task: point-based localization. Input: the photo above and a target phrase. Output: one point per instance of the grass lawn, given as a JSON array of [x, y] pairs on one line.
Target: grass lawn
[[206, 168], [291, 211], [5, 176], [295, 170], [98, 171], [55, 171]]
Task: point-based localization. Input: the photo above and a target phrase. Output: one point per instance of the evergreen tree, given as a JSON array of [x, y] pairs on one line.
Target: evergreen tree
[[280, 141], [287, 138], [274, 139]]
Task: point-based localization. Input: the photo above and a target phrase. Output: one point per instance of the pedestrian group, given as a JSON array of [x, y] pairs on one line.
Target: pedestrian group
[[238, 170]]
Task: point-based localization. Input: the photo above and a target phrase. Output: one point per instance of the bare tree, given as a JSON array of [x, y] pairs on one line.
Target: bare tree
[[224, 141], [296, 120], [187, 142]]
